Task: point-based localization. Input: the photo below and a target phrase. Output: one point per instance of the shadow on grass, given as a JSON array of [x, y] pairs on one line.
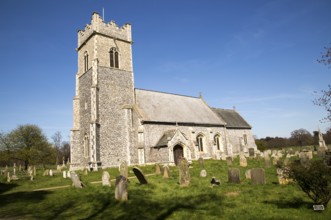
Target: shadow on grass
[[142, 205], [294, 203], [6, 187]]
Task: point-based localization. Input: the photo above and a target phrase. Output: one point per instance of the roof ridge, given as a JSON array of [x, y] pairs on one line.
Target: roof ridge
[[148, 90]]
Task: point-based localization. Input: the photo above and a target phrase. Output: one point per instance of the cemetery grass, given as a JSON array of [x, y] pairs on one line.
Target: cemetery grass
[[160, 199]]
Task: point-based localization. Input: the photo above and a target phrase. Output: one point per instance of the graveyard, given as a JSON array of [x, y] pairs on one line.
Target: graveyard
[[208, 189]]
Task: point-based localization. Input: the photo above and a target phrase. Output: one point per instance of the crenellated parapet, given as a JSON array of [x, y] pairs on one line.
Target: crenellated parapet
[[110, 29]]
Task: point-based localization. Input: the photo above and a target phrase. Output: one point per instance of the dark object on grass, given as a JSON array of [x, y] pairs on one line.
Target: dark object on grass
[[215, 181]]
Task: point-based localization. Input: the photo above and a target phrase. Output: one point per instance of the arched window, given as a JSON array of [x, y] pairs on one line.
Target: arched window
[[217, 141], [245, 139], [86, 146], [85, 61], [200, 142], [113, 58]]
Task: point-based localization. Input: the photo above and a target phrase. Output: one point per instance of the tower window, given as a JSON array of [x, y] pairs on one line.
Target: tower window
[[114, 58], [85, 61]]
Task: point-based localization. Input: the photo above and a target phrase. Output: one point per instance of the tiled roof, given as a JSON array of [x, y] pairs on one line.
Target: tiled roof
[[232, 118], [171, 108]]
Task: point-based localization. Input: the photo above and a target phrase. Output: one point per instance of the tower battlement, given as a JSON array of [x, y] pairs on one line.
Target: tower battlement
[[110, 29]]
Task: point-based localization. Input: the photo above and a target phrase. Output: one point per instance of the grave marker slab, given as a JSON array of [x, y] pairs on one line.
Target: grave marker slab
[[248, 174], [251, 152], [106, 178], [157, 169], [121, 186], [184, 172], [140, 176], [165, 172], [75, 180], [203, 173], [201, 162], [229, 161], [233, 175], [243, 161], [258, 176]]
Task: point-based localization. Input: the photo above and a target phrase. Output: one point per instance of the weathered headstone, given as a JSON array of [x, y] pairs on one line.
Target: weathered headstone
[[85, 171], [75, 180], [105, 179], [258, 176], [140, 176], [64, 174], [267, 161], [50, 172], [123, 168], [243, 161], [251, 152], [8, 177], [282, 177], [30, 172], [201, 162], [248, 174], [229, 161], [184, 172], [165, 172], [233, 175], [203, 173], [121, 186], [157, 169], [34, 171], [68, 174], [46, 173]]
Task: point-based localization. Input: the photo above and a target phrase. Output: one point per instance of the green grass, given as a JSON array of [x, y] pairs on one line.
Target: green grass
[[160, 199]]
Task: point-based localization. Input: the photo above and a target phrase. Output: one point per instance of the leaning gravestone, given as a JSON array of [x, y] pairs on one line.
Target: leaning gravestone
[[251, 152], [140, 176], [184, 173], [75, 180], [165, 172], [124, 169], [121, 186], [105, 179], [203, 173], [233, 175], [229, 161], [258, 176]]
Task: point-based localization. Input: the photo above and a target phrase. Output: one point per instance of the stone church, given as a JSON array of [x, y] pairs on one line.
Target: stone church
[[113, 121]]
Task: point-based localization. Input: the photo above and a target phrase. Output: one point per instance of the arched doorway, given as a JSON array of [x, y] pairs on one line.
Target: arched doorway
[[178, 154]]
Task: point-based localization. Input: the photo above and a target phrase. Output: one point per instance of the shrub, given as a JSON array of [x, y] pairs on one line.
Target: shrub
[[314, 180]]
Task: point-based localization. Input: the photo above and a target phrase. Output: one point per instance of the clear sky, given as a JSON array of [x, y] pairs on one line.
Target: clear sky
[[257, 55]]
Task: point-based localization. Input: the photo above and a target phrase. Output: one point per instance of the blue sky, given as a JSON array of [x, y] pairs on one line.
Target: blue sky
[[259, 56]]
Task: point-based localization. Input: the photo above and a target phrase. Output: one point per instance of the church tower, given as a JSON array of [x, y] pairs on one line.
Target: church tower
[[104, 95]]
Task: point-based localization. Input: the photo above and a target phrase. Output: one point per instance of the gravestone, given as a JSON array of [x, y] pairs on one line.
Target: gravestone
[[258, 176], [8, 177], [304, 160], [248, 174], [140, 176], [30, 172], [286, 161], [184, 172], [165, 172], [282, 177], [321, 152], [251, 152], [229, 161], [45, 173], [123, 168], [203, 173], [34, 171], [64, 174], [105, 179], [267, 161], [75, 180], [68, 174], [50, 172], [86, 171], [233, 175], [243, 161], [201, 162], [121, 186], [157, 169]]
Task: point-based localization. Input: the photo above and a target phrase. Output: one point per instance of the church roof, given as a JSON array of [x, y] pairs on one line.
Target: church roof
[[232, 118], [171, 108]]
